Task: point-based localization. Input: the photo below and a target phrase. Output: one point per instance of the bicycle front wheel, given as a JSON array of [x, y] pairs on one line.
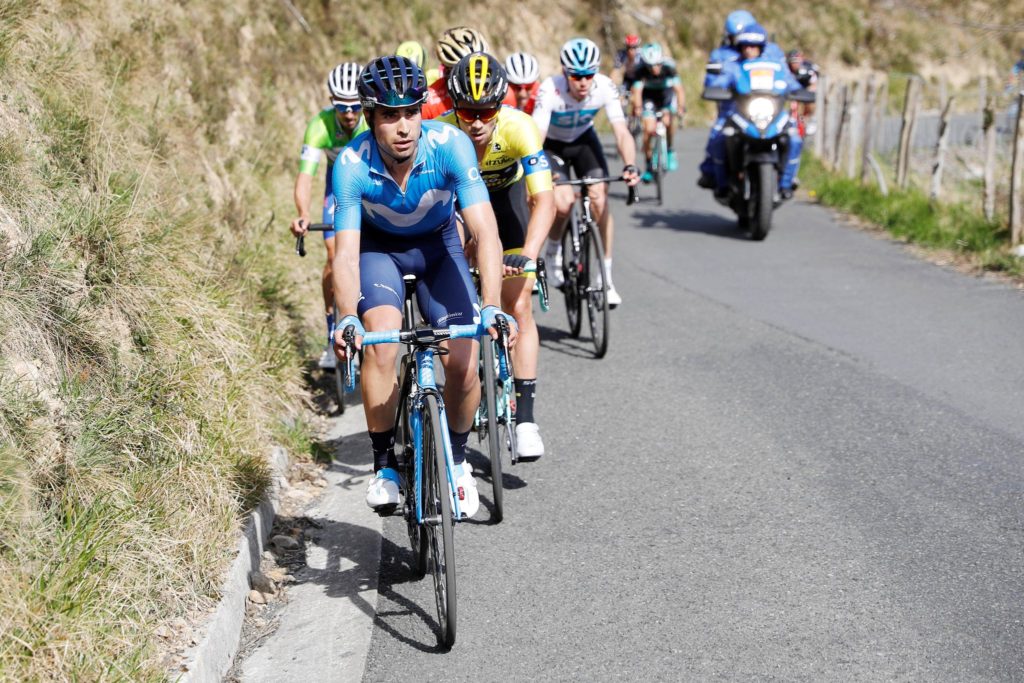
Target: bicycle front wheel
[[573, 287], [491, 423], [339, 380], [437, 519], [660, 167], [596, 290]]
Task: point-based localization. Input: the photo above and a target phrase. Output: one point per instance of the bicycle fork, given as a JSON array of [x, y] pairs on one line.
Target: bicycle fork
[[428, 385]]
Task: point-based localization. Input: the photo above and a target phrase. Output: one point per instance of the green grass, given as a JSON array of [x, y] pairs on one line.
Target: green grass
[[909, 215]]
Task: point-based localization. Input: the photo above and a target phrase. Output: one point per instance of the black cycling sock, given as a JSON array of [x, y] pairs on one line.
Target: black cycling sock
[[459, 440], [526, 391], [383, 450]]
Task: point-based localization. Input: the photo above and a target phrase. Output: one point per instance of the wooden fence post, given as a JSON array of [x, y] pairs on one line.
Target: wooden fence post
[[910, 109], [841, 125], [870, 117], [856, 107], [821, 112], [988, 125], [940, 151], [1016, 221]]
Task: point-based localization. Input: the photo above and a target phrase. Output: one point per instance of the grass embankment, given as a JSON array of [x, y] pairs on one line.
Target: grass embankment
[[958, 229], [147, 325]]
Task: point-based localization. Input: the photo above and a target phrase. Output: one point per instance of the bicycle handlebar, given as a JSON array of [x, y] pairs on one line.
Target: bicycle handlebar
[[300, 241], [634, 193], [424, 336]]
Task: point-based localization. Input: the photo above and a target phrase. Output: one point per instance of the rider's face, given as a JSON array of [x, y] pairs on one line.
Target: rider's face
[[579, 86], [522, 94], [397, 130], [478, 128], [347, 114], [750, 51]]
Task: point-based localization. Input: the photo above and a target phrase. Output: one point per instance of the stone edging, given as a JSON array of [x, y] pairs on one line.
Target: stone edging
[[211, 659]]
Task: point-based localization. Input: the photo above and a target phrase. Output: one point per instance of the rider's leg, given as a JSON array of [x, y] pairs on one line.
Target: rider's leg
[[707, 167], [796, 145], [718, 168]]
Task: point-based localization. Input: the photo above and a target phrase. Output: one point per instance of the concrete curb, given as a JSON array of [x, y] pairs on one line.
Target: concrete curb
[[211, 659]]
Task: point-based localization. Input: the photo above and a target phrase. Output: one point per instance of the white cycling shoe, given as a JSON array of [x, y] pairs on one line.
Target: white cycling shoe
[[529, 445], [613, 296], [328, 361], [382, 491], [553, 264], [465, 490]]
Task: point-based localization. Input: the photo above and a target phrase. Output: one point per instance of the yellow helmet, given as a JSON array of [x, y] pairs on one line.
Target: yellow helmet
[[414, 52]]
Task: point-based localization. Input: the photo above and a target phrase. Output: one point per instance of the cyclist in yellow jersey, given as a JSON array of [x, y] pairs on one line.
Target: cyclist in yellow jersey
[[510, 151]]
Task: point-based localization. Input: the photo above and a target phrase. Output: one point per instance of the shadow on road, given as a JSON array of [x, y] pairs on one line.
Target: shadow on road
[[687, 221], [322, 391], [561, 341]]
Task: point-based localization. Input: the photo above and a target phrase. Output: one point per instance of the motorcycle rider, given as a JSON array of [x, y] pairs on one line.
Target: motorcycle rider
[[728, 52], [806, 74], [751, 42]]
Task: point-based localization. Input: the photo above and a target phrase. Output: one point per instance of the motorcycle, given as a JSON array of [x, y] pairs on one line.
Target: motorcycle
[[756, 143]]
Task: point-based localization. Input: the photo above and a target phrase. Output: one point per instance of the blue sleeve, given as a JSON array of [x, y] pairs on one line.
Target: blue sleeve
[[773, 52], [463, 172], [347, 184]]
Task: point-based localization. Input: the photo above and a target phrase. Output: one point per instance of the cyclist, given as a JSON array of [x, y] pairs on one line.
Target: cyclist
[[414, 52], [751, 43], [513, 164], [725, 53], [395, 189], [328, 133], [628, 61], [657, 88], [565, 111], [806, 74], [454, 44], [523, 73]]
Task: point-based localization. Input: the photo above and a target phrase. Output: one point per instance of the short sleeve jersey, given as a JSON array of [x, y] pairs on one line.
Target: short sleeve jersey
[[325, 136], [444, 170], [515, 150], [562, 117], [645, 78]]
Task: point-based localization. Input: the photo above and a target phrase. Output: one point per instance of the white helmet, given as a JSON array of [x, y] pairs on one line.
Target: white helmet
[[522, 68], [581, 56], [343, 82]]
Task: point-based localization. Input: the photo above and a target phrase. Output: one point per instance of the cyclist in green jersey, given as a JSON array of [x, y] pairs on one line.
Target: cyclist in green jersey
[[328, 133]]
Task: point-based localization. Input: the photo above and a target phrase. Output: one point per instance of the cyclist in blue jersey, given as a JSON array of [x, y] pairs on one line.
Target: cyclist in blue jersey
[[726, 53], [395, 189]]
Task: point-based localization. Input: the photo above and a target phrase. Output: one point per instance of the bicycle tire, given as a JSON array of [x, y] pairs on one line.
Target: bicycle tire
[[339, 378], [492, 423], [571, 274], [437, 514], [597, 290], [660, 167]]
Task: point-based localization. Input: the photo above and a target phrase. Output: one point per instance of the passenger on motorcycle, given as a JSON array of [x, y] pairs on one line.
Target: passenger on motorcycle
[[751, 43], [657, 89], [726, 53], [523, 73]]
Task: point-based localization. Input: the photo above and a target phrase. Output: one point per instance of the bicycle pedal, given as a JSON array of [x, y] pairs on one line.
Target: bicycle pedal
[[386, 510]]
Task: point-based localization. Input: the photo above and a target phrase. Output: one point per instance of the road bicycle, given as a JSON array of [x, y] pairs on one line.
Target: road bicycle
[[423, 447], [300, 249], [659, 155], [583, 266], [495, 420]]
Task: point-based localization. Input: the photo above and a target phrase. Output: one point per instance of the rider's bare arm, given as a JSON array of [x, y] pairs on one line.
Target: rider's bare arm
[[542, 215], [302, 194], [624, 142], [345, 270]]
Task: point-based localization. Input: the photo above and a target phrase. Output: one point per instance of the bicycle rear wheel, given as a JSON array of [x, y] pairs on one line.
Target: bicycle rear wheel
[[660, 166], [573, 287], [596, 289], [437, 520], [491, 423]]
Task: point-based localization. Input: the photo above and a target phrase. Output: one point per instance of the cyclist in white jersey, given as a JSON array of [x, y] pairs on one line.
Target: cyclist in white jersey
[[565, 111]]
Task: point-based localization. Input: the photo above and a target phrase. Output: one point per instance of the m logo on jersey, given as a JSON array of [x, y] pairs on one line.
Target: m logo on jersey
[[355, 156], [441, 137]]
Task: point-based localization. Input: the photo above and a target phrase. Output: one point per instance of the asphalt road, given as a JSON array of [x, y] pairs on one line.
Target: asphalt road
[[802, 459]]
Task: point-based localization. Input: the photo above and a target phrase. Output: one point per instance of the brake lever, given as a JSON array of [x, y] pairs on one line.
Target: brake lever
[[348, 336]]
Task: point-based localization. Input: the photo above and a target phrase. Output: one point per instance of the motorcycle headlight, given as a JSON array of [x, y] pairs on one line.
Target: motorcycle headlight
[[761, 111]]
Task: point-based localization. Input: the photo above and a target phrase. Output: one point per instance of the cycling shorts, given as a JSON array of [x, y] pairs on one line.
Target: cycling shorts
[[444, 289], [513, 214], [657, 100], [584, 155], [328, 214]]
